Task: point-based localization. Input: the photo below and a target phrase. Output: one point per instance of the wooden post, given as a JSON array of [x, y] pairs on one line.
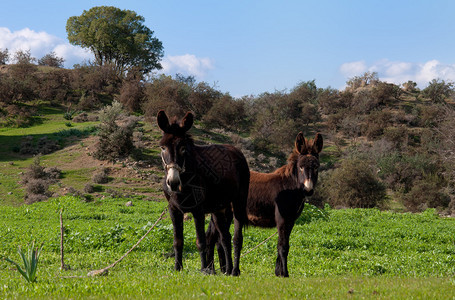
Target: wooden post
[[62, 229]]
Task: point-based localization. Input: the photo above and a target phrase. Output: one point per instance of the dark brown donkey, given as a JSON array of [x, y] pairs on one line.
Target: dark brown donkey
[[277, 199], [203, 179]]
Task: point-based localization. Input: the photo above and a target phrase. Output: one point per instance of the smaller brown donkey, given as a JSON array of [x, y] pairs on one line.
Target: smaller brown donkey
[[277, 199]]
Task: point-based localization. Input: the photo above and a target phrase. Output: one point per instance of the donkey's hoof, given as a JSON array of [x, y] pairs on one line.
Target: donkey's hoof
[[207, 271], [235, 272]]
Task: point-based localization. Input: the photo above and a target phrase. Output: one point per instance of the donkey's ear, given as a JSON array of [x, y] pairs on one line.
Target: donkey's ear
[[187, 121], [317, 143], [163, 121], [300, 144]]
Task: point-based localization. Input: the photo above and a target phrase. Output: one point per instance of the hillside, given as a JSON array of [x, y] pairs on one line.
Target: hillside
[[128, 177], [397, 138]]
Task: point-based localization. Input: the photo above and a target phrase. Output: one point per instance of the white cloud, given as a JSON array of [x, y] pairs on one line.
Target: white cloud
[[40, 44], [187, 64], [400, 72], [352, 69]]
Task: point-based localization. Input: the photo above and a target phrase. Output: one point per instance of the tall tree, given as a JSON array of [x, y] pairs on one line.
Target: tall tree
[[116, 37]]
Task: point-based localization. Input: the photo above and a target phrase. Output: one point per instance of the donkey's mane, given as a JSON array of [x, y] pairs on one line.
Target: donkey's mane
[[288, 169]]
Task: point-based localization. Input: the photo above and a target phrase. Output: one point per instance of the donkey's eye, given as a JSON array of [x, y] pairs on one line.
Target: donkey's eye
[[182, 150], [163, 148]]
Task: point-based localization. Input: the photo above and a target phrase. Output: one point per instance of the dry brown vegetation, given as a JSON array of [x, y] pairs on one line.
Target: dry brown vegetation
[[402, 134]]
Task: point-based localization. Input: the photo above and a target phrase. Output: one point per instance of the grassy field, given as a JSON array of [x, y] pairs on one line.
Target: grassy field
[[359, 253]]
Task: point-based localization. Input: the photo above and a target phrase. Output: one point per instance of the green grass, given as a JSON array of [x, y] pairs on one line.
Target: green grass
[[359, 253]]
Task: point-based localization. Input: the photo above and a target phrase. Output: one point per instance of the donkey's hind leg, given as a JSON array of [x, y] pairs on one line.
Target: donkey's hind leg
[[225, 239], [238, 243], [213, 238]]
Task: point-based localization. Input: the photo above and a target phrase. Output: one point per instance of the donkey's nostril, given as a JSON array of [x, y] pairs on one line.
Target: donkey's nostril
[[173, 185]]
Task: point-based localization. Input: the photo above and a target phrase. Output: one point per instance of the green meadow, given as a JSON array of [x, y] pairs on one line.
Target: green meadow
[[355, 253]]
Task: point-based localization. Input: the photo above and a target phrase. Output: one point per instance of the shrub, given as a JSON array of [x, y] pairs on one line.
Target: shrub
[[384, 92], [37, 181], [89, 188], [425, 194], [24, 57], [54, 85], [52, 60], [202, 99], [400, 171], [375, 123], [367, 79], [430, 115], [168, 94], [330, 101], [226, 113], [277, 119], [101, 176], [350, 125], [397, 136], [438, 90], [4, 56], [410, 86], [354, 184], [80, 118], [132, 92], [53, 173], [115, 134], [37, 186], [35, 170], [363, 101]]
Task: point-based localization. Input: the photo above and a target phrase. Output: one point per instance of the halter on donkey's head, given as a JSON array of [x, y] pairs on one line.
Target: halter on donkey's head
[[173, 147]]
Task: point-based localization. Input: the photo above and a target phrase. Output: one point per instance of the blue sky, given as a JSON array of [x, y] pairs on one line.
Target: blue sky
[[250, 47]]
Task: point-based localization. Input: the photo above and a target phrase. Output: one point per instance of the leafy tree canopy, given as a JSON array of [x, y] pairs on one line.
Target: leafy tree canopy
[[116, 37]]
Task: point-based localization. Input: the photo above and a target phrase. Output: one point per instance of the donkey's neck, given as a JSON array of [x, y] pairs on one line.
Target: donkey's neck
[[288, 178]]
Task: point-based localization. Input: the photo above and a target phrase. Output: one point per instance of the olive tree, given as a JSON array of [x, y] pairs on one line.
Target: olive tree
[[117, 37], [438, 90]]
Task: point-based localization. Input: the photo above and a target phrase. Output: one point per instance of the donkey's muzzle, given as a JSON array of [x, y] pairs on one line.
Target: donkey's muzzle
[[174, 186], [173, 180], [308, 185]]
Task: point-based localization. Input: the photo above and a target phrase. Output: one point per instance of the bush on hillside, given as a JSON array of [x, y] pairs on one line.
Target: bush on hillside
[[438, 90], [354, 184], [202, 99], [399, 170], [425, 194], [101, 176], [55, 85], [132, 91], [375, 123], [165, 93], [52, 60], [226, 113], [330, 101], [37, 180], [115, 133]]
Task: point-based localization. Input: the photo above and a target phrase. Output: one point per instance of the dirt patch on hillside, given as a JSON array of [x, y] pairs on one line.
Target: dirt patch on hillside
[[126, 177]]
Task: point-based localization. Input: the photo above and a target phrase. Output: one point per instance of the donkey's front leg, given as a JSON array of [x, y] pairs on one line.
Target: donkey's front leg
[[199, 222], [177, 222], [284, 233]]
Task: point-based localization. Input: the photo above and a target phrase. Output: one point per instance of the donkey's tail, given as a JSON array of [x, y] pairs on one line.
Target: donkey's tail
[[240, 203]]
